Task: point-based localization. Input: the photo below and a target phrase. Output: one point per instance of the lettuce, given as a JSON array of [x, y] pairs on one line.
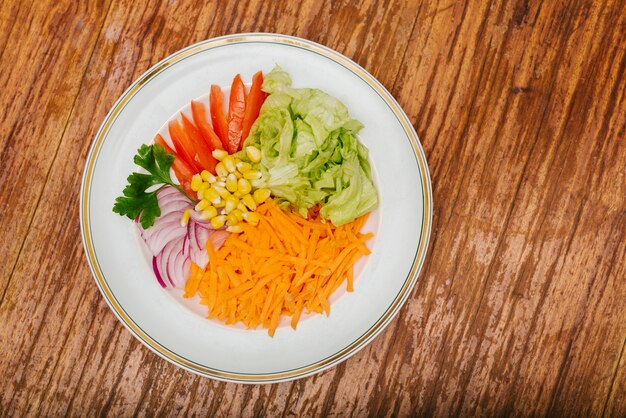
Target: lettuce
[[310, 153]]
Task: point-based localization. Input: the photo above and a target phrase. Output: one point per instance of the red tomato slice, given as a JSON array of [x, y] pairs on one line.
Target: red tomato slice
[[181, 169], [200, 118], [183, 145], [236, 111], [253, 104], [218, 119], [203, 153]]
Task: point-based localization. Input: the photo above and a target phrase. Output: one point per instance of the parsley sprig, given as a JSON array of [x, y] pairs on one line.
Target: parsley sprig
[[136, 200]]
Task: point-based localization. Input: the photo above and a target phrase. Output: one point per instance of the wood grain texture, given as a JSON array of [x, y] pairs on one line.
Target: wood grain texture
[[521, 306]]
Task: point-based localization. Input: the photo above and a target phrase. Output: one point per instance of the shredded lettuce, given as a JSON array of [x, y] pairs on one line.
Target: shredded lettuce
[[310, 153]]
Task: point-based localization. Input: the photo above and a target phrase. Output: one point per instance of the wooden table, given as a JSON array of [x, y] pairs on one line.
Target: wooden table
[[521, 305]]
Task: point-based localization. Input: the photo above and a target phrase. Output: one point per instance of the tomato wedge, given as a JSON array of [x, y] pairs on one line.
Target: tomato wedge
[[208, 134], [203, 153], [253, 104], [183, 145], [218, 119], [236, 112], [181, 169]]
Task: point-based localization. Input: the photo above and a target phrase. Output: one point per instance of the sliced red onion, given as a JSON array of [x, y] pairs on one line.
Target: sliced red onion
[[166, 258], [174, 246], [218, 237], [198, 236], [157, 273]]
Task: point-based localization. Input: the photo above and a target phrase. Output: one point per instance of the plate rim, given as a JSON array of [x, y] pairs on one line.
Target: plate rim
[[342, 354]]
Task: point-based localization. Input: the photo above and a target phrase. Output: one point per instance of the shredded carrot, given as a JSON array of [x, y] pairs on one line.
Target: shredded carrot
[[284, 266]]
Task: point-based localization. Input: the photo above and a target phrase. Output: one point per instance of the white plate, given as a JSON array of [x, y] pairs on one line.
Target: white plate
[[179, 334]]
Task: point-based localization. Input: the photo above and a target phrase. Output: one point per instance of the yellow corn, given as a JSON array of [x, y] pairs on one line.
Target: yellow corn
[[231, 220], [235, 229], [206, 176], [252, 175], [209, 213], [219, 154], [261, 195], [218, 221], [243, 166], [238, 174], [231, 203], [229, 163], [222, 191], [251, 217], [242, 207], [231, 183], [203, 187], [196, 181], [201, 205], [253, 153], [220, 170], [244, 186], [184, 220], [212, 196], [248, 200], [220, 204], [237, 214]]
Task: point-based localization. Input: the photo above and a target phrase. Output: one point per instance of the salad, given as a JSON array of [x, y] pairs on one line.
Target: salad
[[255, 204]]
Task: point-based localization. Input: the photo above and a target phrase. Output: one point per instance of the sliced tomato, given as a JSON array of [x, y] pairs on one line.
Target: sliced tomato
[[183, 145], [203, 152], [253, 104], [236, 112], [158, 139], [208, 134], [181, 169], [218, 119]]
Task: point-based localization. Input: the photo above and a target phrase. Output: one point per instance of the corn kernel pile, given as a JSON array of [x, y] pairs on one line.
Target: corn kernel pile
[[228, 198]]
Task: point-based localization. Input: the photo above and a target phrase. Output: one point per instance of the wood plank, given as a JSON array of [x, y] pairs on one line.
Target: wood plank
[[616, 401], [519, 309], [40, 79], [64, 333]]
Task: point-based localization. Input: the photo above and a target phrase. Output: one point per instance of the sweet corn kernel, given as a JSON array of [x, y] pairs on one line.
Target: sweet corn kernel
[[231, 220], [219, 154], [212, 196], [220, 204], [184, 220], [231, 183], [243, 166], [261, 195], [220, 170], [242, 207], [248, 200], [208, 213], [231, 203], [218, 221], [253, 153], [252, 175], [244, 186], [206, 176], [221, 191], [237, 214], [238, 174], [220, 183], [196, 181], [203, 188], [235, 229], [251, 217], [201, 205], [229, 163]]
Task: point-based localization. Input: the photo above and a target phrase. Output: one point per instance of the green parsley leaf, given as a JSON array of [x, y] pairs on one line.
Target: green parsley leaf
[[136, 200]]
